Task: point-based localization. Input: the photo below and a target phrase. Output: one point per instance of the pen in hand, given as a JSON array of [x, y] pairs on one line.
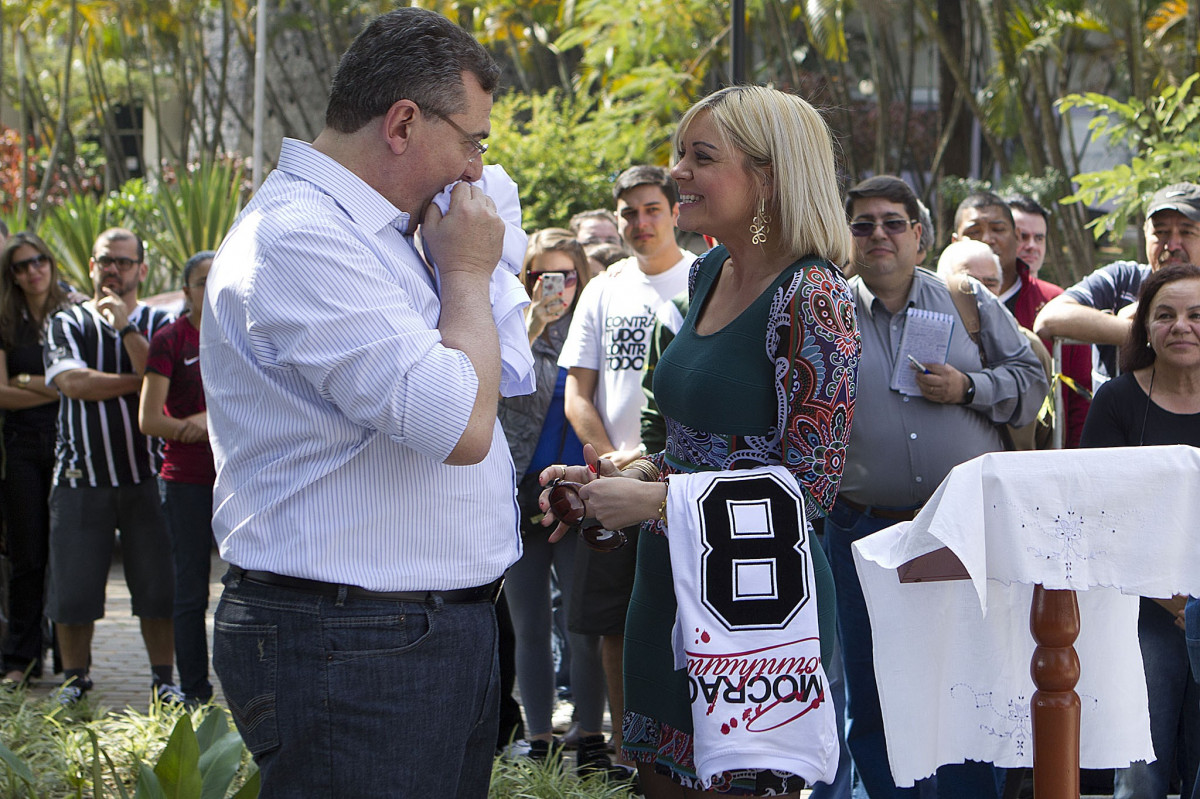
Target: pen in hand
[[920, 367]]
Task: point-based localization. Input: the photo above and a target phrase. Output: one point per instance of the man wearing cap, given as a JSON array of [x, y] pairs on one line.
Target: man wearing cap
[[1099, 308]]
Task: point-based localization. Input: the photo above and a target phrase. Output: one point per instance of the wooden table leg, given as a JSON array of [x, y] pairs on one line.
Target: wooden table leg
[[1054, 622]]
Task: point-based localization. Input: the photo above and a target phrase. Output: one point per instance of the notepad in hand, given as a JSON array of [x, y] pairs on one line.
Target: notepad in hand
[[926, 338]]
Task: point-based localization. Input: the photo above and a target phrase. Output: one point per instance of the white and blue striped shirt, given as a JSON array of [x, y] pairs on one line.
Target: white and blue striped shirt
[[332, 402]]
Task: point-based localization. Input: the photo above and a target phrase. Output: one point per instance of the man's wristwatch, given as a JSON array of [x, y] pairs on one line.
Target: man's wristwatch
[[24, 379], [129, 328], [970, 395]]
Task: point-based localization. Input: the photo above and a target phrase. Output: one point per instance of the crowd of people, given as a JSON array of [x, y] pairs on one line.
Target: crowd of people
[[649, 464]]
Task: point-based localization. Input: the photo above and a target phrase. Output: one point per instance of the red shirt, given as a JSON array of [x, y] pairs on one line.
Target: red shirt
[[1077, 358], [175, 354]]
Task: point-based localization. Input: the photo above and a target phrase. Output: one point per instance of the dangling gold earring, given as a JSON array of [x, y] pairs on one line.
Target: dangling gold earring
[[760, 225]]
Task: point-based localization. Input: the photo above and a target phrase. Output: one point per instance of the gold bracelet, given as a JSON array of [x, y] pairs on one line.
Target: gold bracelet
[[662, 510], [646, 468]]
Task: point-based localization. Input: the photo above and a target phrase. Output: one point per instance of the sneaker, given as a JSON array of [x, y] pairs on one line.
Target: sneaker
[[592, 758], [541, 750], [72, 691], [167, 693]]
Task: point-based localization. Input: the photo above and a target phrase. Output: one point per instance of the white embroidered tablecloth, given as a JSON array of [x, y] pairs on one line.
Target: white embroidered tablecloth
[[952, 658]]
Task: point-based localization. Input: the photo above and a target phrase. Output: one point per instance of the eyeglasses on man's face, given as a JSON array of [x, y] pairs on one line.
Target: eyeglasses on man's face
[[479, 146], [36, 262], [893, 227], [122, 264]]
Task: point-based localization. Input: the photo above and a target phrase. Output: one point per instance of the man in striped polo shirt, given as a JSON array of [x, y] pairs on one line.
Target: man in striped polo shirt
[[104, 477]]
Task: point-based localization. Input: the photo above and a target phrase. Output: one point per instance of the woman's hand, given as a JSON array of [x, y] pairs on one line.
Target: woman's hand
[[542, 310], [191, 433], [614, 502], [595, 468]]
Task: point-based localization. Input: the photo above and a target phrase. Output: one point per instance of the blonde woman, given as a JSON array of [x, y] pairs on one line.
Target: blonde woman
[[762, 373]]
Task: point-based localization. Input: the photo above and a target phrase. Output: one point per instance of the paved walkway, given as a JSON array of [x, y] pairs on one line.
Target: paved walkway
[[120, 670]]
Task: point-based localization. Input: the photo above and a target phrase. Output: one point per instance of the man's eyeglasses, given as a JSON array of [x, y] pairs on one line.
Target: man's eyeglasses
[[122, 264], [570, 509], [480, 147], [37, 261], [893, 227]]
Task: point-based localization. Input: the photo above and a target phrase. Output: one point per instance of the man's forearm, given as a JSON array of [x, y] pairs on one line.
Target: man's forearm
[[94, 386], [1065, 318], [588, 425], [137, 347], [466, 325]]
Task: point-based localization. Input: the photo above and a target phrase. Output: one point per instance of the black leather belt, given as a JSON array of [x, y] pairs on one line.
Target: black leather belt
[[881, 513], [481, 593]]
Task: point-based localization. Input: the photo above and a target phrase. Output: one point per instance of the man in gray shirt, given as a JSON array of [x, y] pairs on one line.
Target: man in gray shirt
[[1099, 309], [902, 446]]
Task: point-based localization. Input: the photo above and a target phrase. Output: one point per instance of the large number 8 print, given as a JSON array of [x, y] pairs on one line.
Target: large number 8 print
[[754, 570]]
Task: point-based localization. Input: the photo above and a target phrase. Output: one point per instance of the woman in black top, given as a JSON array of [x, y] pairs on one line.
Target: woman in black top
[[29, 294], [1156, 400]]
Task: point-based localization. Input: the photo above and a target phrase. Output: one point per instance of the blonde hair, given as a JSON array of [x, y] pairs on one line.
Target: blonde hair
[[787, 143]]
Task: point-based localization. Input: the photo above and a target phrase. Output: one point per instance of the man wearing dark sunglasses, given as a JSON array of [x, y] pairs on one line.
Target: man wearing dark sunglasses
[[902, 446]]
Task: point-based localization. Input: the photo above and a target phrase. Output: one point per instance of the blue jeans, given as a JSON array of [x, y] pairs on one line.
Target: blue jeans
[[1174, 710], [188, 508], [1192, 617], [341, 696], [864, 719], [527, 588]]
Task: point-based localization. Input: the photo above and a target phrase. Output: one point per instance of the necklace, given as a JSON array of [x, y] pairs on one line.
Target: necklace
[[1146, 412]]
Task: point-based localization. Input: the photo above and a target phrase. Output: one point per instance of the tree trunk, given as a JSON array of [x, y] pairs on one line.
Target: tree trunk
[[1080, 251], [64, 112], [953, 92]]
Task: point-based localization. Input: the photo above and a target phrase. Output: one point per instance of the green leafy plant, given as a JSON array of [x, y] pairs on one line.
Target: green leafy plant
[[48, 751], [15, 769], [197, 210], [185, 214], [565, 153], [523, 778], [197, 764], [1163, 134], [70, 230]]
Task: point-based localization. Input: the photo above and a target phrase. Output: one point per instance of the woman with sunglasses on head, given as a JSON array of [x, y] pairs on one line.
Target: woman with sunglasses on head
[[172, 407], [761, 374], [555, 271], [30, 292], [1156, 400]]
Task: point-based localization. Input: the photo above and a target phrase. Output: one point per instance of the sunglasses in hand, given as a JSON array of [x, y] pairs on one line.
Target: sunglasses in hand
[[569, 508]]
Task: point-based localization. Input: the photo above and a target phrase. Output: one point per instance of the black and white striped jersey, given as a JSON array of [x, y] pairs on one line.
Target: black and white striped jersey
[[99, 443]]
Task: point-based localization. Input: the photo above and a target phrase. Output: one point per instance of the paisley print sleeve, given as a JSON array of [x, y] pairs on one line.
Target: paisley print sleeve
[[813, 340]]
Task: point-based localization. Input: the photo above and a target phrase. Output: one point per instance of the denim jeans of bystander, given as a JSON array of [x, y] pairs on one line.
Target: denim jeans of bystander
[[188, 508], [344, 696], [528, 589], [864, 719], [1174, 698]]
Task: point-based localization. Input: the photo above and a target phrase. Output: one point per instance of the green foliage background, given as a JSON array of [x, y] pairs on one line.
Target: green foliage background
[[565, 153]]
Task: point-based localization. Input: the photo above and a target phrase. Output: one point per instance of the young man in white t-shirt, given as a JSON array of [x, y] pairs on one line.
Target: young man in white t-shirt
[[605, 355]]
